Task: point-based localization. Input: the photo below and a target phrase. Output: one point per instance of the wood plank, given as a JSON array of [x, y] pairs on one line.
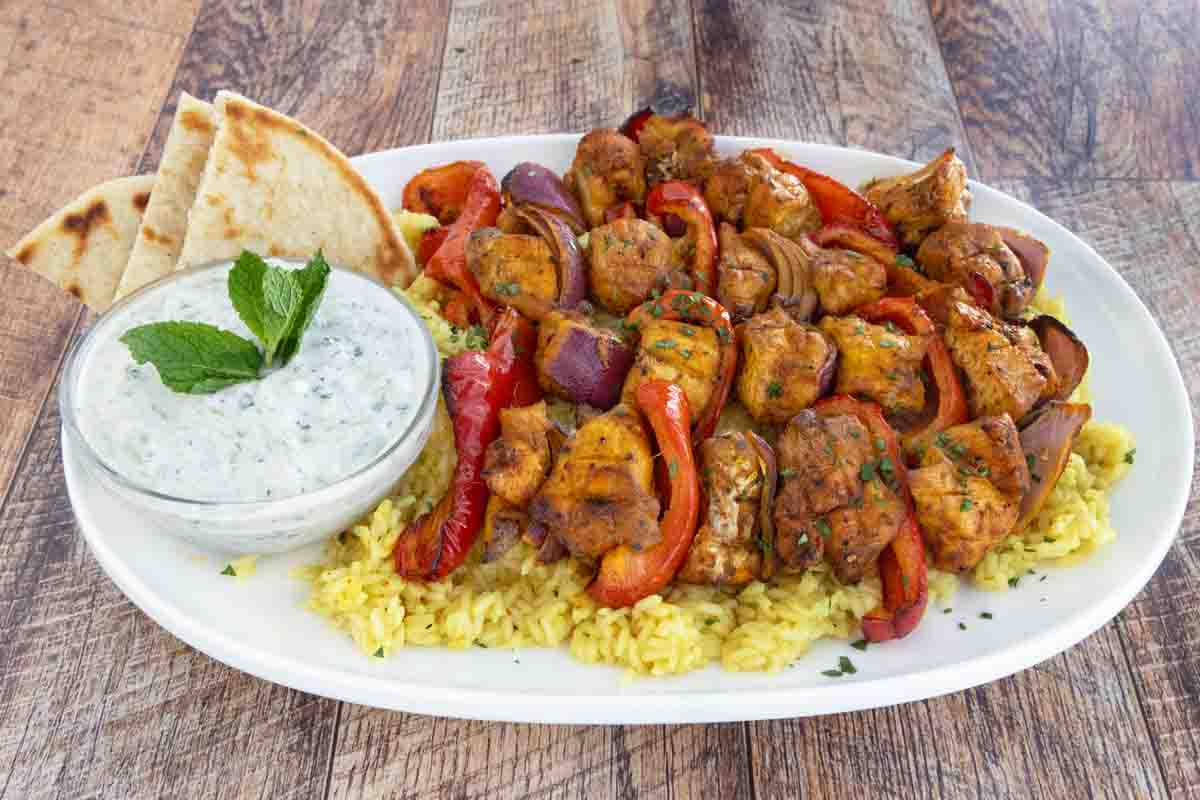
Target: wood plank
[[1096, 88], [80, 95], [560, 66], [864, 73], [382, 754], [95, 699], [570, 66]]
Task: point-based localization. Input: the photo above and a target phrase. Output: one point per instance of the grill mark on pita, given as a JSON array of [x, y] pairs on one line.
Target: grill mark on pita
[[195, 122], [73, 289], [25, 254], [140, 201], [156, 237], [250, 143], [82, 224]]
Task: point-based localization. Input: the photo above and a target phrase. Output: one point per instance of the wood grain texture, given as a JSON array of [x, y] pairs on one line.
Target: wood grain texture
[[560, 66], [80, 92], [866, 74], [1087, 88]]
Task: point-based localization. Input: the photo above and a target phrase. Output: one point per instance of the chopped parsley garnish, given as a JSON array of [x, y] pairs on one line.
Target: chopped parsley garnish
[[764, 545], [962, 626], [787, 472], [229, 570], [888, 343], [861, 644], [846, 666], [664, 344], [711, 621], [831, 673], [822, 526], [687, 331], [1129, 455], [947, 610], [966, 504], [985, 615], [378, 653], [774, 389], [673, 469], [510, 289], [723, 335], [1013, 581], [867, 471]]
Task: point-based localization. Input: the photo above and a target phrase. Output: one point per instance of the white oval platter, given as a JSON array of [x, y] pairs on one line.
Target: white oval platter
[[259, 625]]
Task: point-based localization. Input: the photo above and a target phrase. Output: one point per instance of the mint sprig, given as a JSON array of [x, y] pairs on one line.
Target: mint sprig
[[276, 304]]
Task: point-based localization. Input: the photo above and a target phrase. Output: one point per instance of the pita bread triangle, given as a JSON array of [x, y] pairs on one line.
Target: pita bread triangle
[[83, 248], [160, 238], [273, 186]]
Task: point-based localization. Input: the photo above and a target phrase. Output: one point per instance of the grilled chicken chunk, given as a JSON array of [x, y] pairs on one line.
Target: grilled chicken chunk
[[878, 362], [968, 489], [515, 270], [518, 461], [924, 200], [607, 171], [676, 147], [785, 366], [726, 550], [676, 352], [600, 491], [834, 500], [746, 278], [845, 279], [1005, 369], [728, 188], [964, 254], [630, 258], [779, 202], [503, 526]]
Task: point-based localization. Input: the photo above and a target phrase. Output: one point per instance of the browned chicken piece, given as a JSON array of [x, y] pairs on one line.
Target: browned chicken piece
[[676, 148], [726, 550], [518, 461], [779, 202], [728, 188], [845, 279], [965, 253], [600, 491], [503, 526], [630, 258], [924, 200], [514, 270], [607, 171], [878, 362], [746, 278], [785, 366], [835, 498], [676, 352], [968, 489], [1002, 375]]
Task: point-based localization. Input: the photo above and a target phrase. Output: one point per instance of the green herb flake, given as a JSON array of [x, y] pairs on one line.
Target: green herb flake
[[378, 653], [962, 626], [509, 289], [822, 526], [985, 615], [1013, 581], [723, 335], [1129, 455], [867, 471], [904, 261], [846, 666], [229, 570], [664, 344], [787, 472], [861, 644], [774, 389], [947, 610], [966, 504], [673, 469], [831, 673], [888, 343], [711, 621]]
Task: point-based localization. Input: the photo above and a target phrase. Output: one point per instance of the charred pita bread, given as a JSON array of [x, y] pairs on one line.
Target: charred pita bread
[[273, 186], [160, 238], [84, 247]]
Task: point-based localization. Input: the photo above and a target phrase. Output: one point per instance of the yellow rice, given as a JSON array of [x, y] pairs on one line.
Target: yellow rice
[[517, 602]]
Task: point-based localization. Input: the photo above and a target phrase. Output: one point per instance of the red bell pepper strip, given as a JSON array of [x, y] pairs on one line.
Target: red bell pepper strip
[[902, 567], [837, 202], [478, 385], [513, 344], [627, 575], [441, 191], [678, 305], [449, 263], [684, 201], [431, 240], [951, 406]]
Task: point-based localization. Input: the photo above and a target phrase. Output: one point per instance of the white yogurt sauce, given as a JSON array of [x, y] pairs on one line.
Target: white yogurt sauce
[[351, 391]]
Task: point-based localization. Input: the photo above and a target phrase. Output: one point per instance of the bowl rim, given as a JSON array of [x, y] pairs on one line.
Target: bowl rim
[[75, 359]]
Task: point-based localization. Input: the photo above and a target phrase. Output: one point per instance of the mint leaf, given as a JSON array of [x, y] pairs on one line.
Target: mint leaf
[[312, 281], [246, 291], [281, 305], [194, 357]]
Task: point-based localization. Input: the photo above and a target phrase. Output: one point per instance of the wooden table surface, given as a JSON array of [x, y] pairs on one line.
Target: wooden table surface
[[1086, 108]]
